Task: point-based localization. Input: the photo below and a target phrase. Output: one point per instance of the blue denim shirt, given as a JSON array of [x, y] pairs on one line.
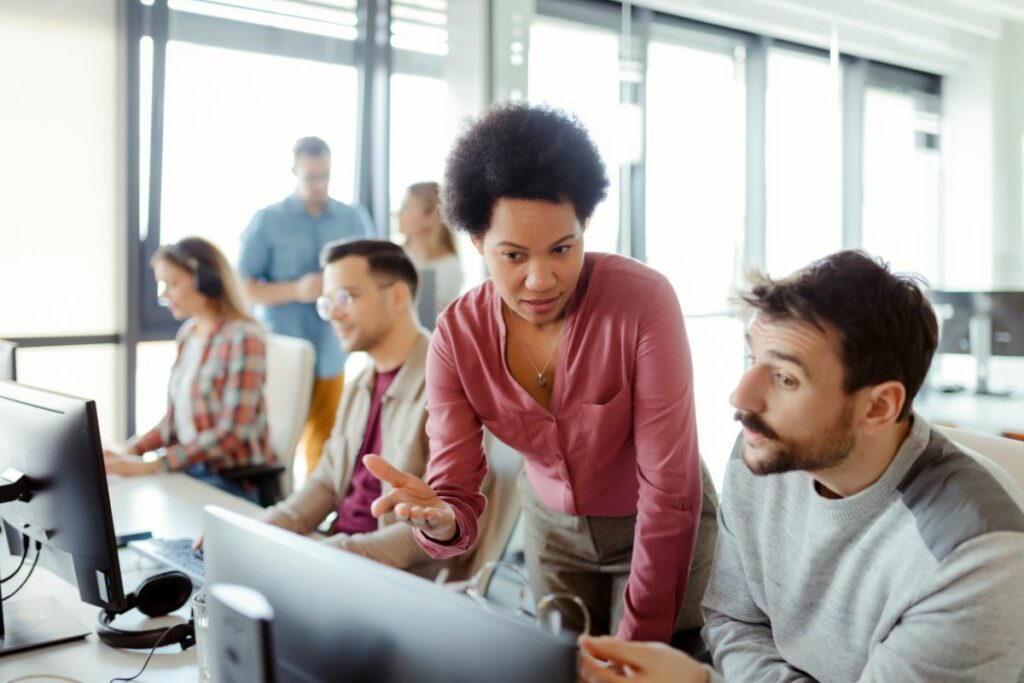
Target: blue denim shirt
[[283, 243]]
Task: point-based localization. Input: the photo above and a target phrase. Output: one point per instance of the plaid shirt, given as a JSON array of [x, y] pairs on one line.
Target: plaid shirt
[[227, 403]]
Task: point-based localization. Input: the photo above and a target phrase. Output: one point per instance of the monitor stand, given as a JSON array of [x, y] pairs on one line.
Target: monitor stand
[[36, 622], [32, 622], [981, 349]]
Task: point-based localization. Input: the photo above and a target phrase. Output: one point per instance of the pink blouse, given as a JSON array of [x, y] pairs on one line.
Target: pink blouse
[[618, 439]]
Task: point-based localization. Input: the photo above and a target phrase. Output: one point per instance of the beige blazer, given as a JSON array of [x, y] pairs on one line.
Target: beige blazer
[[403, 444]]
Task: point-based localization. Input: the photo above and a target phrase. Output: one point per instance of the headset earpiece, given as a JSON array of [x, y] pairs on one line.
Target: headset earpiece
[[205, 279], [155, 597]]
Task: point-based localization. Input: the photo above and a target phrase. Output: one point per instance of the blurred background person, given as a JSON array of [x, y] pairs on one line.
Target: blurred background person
[[280, 270], [430, 242], [216, 415]]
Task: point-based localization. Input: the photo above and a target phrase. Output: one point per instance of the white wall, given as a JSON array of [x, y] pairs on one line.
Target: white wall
[[61, 199]]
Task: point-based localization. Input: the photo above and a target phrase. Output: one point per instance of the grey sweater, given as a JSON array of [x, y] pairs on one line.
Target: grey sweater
[[920, 577]]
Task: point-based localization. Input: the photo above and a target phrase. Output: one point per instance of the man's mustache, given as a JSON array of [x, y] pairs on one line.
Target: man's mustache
[[753, 422]]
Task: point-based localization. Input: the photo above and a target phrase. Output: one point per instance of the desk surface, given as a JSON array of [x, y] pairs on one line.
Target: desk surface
[[169, 505], [965, 410]]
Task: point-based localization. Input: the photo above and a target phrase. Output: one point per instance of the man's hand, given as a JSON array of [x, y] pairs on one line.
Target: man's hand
[[412, 501], [309, 287], [128, 465], [610, 660]]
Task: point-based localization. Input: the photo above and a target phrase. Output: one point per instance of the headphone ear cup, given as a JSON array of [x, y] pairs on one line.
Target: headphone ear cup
[[162, 594], [208, 282]]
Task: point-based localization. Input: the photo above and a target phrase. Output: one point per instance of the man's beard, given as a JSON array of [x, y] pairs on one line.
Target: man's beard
[[780, 454]]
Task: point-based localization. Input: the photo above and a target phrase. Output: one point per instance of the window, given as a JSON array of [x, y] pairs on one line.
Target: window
[[695, 200], [421, 132], [902, 179], [696, 146], [576, 67], [231, 118], [804, 173]]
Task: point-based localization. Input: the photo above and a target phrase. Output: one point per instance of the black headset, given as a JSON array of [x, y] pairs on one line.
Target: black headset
[[155, 597], [206, 278]]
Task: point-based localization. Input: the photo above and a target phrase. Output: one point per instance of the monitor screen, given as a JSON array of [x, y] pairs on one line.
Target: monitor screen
[[953, 311], [1007, 312], [339, 616]]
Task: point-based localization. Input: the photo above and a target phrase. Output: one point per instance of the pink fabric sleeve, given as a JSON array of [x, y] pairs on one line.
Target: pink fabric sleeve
[[668, 470], [457, 464]]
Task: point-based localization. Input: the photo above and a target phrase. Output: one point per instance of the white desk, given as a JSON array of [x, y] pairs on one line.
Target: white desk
[[965, 410], [169, 505]]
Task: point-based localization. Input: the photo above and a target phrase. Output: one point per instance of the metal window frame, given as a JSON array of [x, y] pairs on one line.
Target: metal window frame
[[145, 320]]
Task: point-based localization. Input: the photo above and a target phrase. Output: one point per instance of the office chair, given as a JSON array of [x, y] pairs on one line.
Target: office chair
[[1007, 454], [287, 391]]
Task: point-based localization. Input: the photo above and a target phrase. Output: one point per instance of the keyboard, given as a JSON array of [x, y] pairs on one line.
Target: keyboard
[[176, 553]]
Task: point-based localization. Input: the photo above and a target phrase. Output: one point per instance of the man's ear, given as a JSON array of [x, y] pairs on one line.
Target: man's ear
[[884, 404], [401, 296], [478, 243]]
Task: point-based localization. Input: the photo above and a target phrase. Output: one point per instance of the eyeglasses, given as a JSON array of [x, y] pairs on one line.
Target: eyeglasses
[[339, 299], [545, 613]]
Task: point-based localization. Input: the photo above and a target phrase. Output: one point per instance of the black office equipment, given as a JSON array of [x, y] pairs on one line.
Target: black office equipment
[[8, 365], [53, 490], [339, 616], [982, 324]]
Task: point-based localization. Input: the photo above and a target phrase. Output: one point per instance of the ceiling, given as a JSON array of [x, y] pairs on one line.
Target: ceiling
[[942, 36]]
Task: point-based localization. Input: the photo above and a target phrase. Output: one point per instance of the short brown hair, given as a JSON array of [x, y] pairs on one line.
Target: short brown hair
[[310, 146], [887, 328], [382, 256]]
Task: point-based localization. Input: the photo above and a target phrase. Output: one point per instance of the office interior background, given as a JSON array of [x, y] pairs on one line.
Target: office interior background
[[738, 134]]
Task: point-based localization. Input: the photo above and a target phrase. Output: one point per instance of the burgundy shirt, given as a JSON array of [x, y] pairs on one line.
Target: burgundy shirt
[[354, 509], [618, 439]]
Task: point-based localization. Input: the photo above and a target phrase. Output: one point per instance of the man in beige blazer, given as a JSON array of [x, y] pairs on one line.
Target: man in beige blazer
[[369, 291]]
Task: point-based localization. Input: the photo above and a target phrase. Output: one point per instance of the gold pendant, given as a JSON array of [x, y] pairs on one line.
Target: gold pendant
[[541, 382]]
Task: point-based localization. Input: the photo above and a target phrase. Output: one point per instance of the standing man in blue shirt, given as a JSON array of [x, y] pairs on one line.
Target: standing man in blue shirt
[[280, 270]]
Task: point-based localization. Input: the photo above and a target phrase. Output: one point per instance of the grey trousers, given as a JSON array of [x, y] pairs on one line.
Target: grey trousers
[[590, 557]]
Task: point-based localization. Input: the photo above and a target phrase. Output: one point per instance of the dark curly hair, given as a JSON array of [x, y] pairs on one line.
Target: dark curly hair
[[521, 151]]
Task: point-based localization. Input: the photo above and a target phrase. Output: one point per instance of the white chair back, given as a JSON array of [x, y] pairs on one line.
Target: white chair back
[[1007, 454], [288, 388]]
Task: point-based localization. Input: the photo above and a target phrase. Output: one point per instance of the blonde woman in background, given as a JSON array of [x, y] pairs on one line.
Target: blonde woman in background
[[216, 415], [429, 242]]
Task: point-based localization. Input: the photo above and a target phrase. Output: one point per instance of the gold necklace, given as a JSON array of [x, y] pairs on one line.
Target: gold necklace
[[541, 381]]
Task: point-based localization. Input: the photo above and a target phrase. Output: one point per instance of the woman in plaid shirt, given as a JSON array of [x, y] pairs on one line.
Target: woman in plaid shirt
[[216, 416]]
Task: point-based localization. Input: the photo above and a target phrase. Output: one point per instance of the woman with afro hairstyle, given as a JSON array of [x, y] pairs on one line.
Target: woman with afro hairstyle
[[580, 362]]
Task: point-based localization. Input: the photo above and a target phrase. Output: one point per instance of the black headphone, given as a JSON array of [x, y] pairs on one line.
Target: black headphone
[[155, 597], [206, 279]]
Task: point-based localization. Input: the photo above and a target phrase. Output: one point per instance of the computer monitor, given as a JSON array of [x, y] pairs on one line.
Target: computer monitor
[[339, 616], [8, 366], [54, 488], [983, 324], [1007, 312], [953, 311]]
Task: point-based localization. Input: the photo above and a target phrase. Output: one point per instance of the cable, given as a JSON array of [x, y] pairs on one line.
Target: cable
[[24, 554], [39, 551], [146, 663]]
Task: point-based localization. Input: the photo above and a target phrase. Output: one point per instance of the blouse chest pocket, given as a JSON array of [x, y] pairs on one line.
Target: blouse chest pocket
[[606, 427]]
